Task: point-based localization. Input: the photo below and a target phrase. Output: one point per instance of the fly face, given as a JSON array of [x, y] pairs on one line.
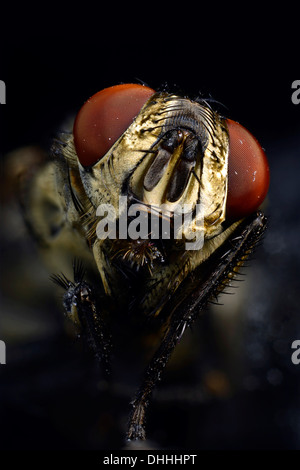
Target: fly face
[[164, 156], [172, 160], [182, 168], [175, 153]]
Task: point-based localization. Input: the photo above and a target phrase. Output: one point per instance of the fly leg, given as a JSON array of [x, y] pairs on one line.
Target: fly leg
[[193, 296], [136, 429], [82, 306]]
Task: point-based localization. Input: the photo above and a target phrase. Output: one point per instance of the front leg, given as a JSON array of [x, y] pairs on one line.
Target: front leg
[[82, 306], [192, 297]]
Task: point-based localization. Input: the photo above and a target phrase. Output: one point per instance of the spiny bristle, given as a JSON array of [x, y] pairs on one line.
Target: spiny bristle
[[90, 223], [78, 271], [63, 147], [61, 280]]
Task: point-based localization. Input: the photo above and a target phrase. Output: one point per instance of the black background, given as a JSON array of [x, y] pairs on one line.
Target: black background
[[52, 59]]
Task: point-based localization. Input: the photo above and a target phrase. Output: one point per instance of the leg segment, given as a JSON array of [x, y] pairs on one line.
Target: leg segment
[[82, 306], [192, 297]]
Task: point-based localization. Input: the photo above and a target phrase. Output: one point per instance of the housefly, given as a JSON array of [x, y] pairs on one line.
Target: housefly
[[156, 197]]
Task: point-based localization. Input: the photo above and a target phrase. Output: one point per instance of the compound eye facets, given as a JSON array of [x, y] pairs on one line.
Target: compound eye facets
[[105, 117], [248, 172]]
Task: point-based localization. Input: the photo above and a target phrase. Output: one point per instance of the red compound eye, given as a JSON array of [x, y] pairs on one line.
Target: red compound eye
[[248, 172], [104, 117]]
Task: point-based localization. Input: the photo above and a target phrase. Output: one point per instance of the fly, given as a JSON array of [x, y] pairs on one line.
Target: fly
[[146, 157]]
